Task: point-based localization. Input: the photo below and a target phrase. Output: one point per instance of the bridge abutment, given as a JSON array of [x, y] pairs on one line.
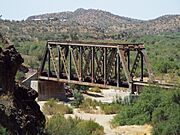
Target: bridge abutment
[[51, 89]]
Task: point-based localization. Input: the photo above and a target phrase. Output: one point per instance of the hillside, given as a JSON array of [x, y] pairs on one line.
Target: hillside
[[91, 18], [114, 23], [82, 23]]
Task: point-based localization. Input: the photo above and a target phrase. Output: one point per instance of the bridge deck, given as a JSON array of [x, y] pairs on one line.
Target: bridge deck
[[123, 86]]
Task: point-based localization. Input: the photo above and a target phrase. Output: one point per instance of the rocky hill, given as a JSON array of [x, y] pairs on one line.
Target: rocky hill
[[20, 113], [89, 23]]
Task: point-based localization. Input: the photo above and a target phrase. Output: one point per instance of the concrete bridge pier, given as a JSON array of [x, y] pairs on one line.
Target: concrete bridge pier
[[49, 89]]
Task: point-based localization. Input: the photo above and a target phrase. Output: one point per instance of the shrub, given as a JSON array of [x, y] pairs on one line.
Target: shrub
[[166, 117], [58, 125], [91, 127], [164, 67], [53, 107], [156, 106], [141, 110], [110, 108], [88, 105], [78, 98]]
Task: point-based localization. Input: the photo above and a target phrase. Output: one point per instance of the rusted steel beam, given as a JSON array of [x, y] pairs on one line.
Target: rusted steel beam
[[59, 62], [92, 64], [49, 63], [142, 66], [53, 60], [105, 66], [117, 68], [99, 63], [80, 62], [124, 65], [69, 64], [148, 65], [74, 62], [44, 59], [135, 64], [82, 83], [128, 59], [87, 61], [94, 44], [63, 59]]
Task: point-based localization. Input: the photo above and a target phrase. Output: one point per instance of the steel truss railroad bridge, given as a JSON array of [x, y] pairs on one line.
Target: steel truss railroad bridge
[[105, 65]]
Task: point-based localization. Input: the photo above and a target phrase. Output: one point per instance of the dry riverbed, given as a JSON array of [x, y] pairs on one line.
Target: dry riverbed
[[105, 120]]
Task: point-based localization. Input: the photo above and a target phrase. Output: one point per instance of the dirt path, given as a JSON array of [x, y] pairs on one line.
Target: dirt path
[[133, 130]]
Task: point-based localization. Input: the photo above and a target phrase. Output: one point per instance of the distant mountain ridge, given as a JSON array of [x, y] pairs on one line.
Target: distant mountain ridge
[[114, 23], [76, 14], [90, 22]]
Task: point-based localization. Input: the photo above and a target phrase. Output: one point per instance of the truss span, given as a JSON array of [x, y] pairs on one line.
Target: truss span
[[107, 65]]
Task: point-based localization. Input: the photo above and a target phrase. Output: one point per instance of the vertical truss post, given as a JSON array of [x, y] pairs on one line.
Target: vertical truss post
[[49, 63], [80, 61], [44, 59], [69, 67], [59, 62], [105, 65], [128, 59], [117, 68], [92, 64], [142, 66]]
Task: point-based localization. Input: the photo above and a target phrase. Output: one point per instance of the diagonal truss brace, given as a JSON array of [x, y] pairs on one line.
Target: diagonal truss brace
[[124, 64], [75, 65], [135, 64], [63, 58], [148, 65], [53, 61]]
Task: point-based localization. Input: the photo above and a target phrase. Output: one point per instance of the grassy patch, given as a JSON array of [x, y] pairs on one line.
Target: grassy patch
[[92, 106], [95, 89], [89, 105], [58, 125], [52, 107], [112, 108]]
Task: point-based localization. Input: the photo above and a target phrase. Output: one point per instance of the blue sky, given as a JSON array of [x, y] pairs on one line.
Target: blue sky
[[138, 9]]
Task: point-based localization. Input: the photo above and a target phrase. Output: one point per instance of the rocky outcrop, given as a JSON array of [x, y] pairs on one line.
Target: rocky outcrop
[[19, 112]]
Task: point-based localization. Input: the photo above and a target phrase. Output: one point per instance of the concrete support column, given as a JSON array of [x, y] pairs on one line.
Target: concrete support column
[[51, 89]]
